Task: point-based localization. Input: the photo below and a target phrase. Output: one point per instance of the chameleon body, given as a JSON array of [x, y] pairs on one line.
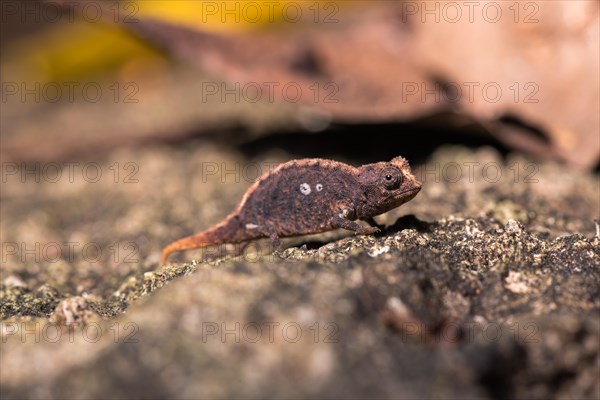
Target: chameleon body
[[308, 196]]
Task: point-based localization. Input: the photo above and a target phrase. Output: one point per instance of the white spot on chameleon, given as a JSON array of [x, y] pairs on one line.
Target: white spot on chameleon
[[305, 189], [319, 187], [251, 226]]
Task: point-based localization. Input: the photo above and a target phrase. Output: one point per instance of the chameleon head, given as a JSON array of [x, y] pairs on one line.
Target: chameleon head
[[387, 185]]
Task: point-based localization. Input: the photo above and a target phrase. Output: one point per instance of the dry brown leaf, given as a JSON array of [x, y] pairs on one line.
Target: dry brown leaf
[[393, 62]]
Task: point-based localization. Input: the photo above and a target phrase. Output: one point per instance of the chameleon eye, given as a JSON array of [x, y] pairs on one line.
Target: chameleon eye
[[392, 178]]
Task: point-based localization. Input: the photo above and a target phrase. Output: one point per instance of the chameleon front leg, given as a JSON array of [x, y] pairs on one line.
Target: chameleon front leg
[[339, 221], [371, 221]]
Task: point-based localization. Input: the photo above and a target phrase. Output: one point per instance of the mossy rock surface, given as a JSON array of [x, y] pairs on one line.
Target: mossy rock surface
[[477, 288]]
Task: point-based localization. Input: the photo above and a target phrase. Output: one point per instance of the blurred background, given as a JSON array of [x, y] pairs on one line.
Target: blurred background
[[128, 124], [518, 76]]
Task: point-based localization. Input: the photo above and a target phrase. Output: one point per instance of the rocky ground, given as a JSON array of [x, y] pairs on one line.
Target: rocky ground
[[486, 285]]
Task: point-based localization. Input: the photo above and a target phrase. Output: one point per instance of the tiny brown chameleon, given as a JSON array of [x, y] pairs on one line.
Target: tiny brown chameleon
[[308, 196]]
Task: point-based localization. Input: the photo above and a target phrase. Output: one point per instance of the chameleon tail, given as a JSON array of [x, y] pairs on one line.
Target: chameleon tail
[[196, 241], [229, 231]]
